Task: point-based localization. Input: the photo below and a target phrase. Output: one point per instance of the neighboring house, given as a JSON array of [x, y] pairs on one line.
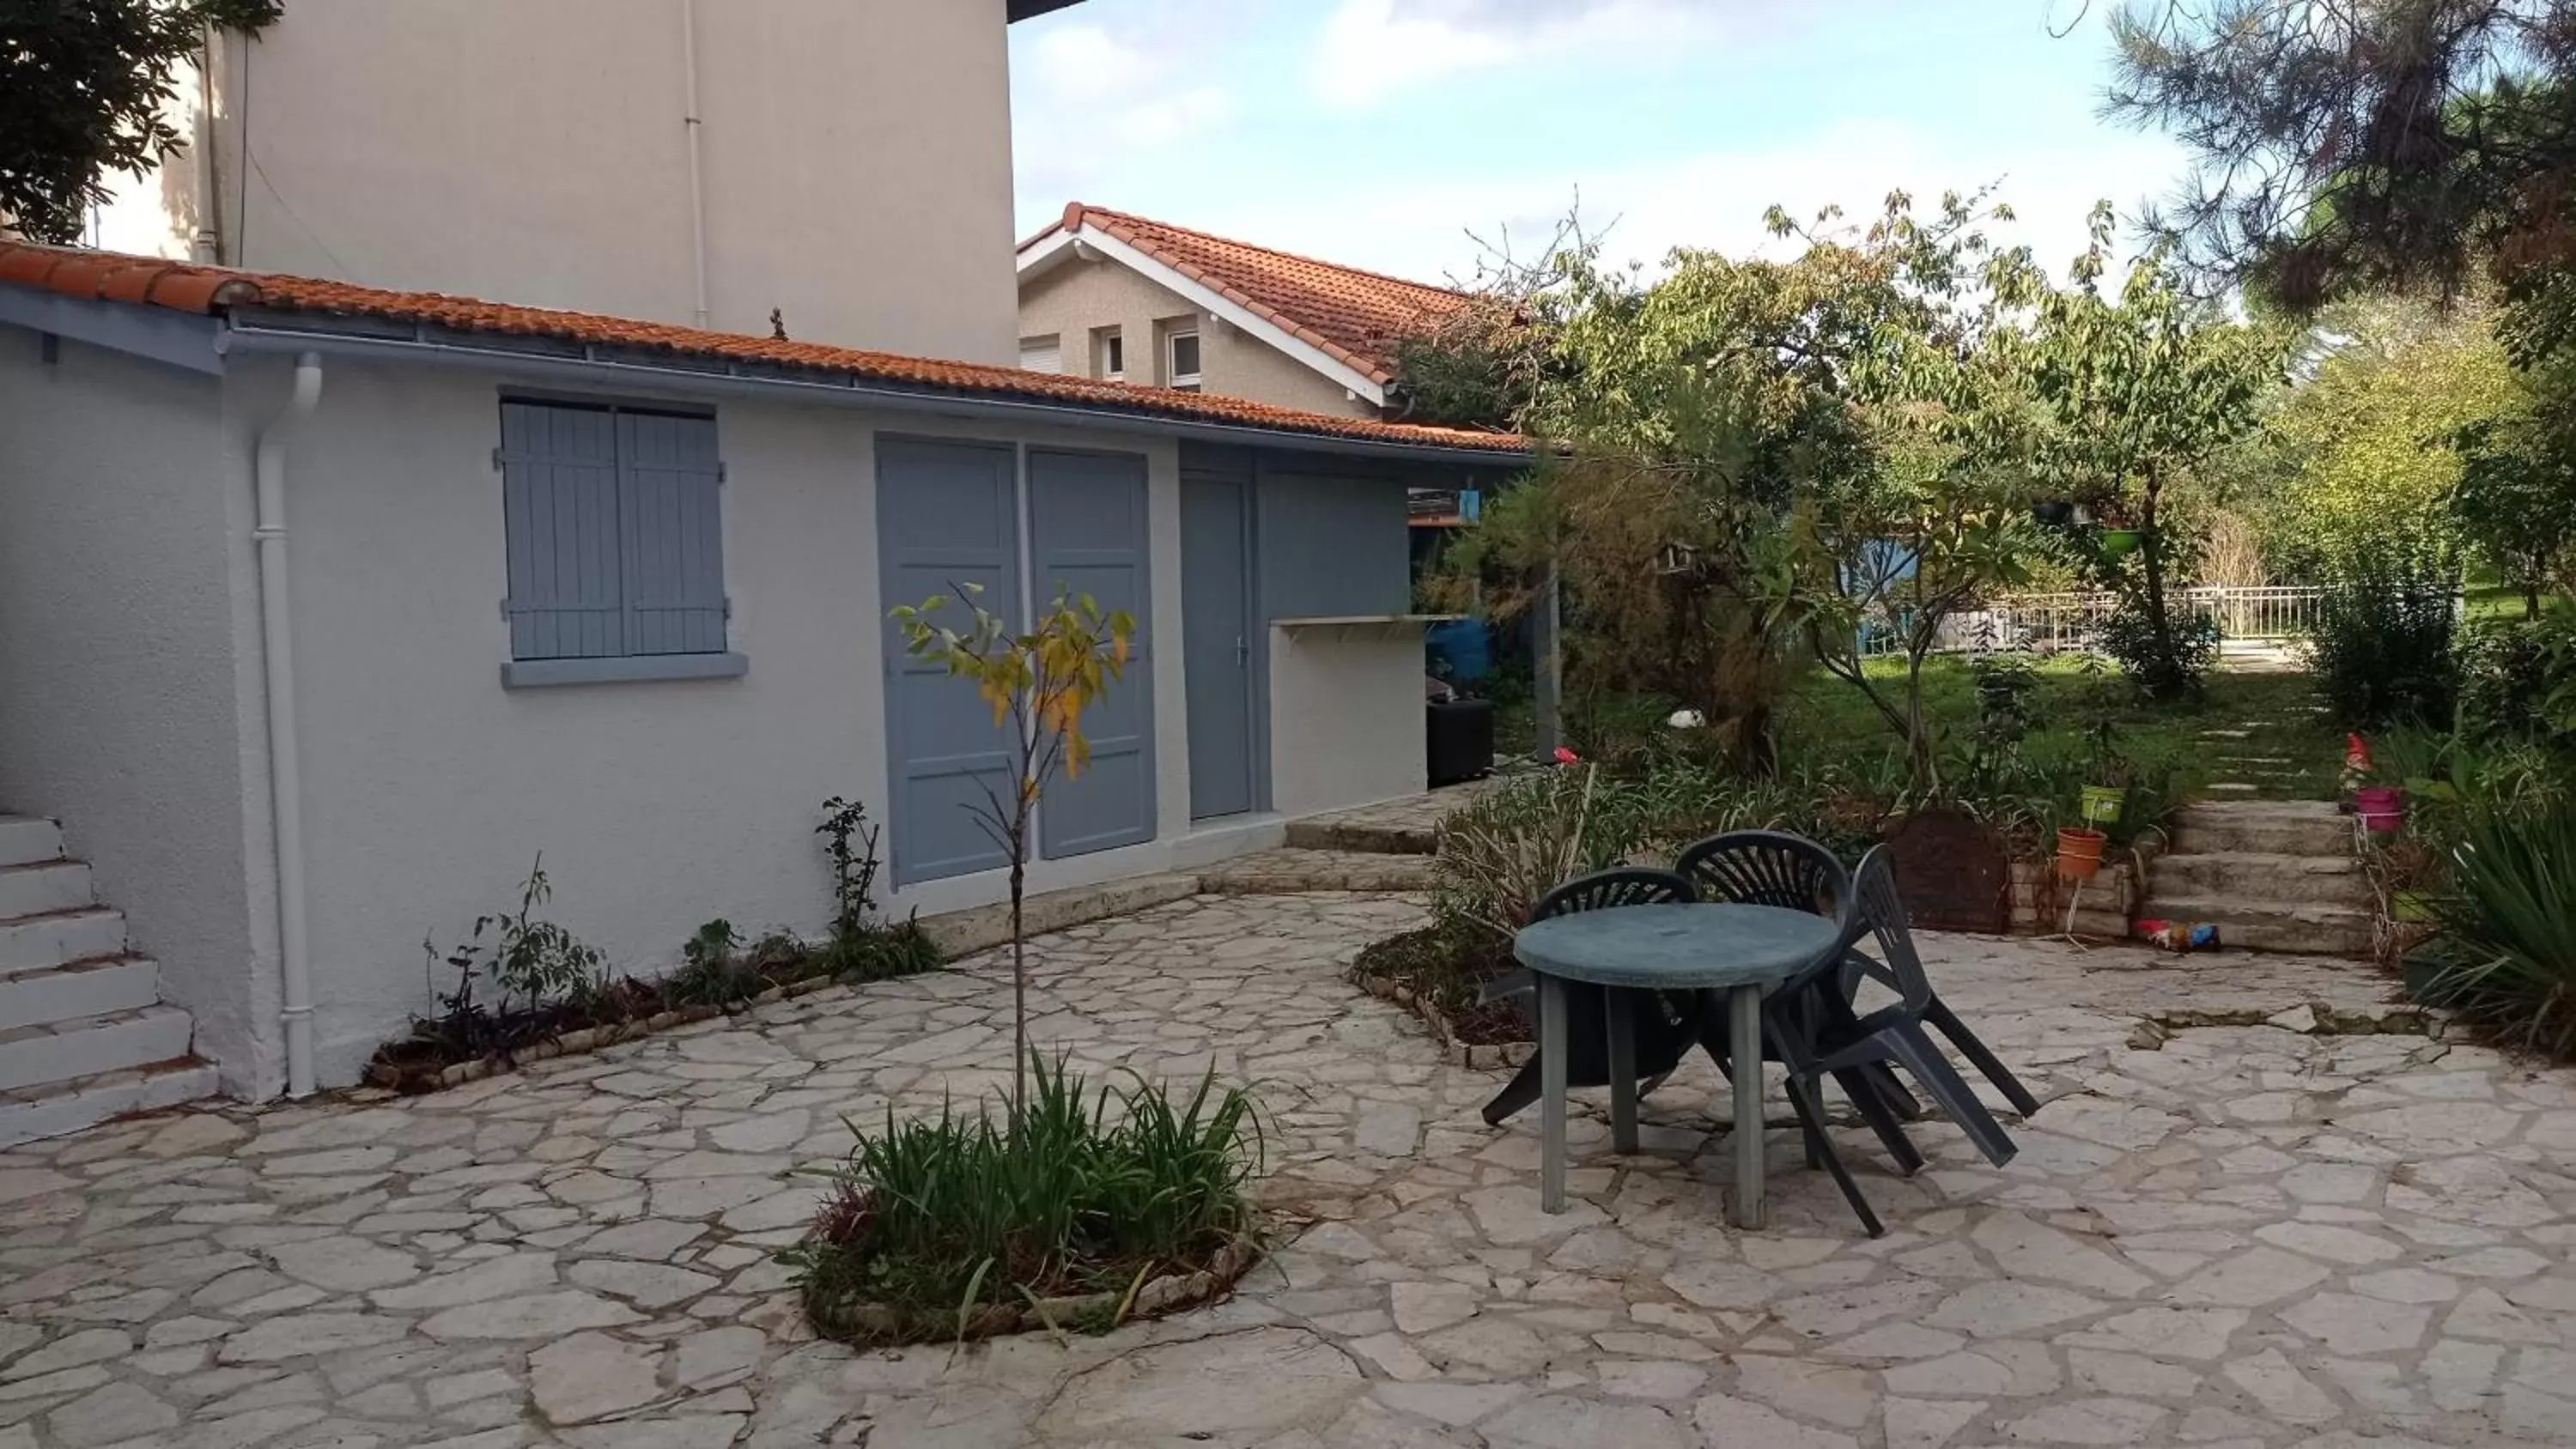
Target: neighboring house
[[844, 162], [581, 579], [1105, 295]]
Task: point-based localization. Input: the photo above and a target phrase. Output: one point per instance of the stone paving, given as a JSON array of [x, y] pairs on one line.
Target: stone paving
[[2223, 1235]]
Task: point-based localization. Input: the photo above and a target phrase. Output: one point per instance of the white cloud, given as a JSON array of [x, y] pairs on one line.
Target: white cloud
[[1370, 49], [1089, 102]]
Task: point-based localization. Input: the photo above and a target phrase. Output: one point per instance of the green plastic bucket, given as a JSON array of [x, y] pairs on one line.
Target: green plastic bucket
[[2103, 804]]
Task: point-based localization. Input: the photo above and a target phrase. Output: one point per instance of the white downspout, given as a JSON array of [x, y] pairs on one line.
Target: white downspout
[[697, 184], [207, 247], [285, 776]]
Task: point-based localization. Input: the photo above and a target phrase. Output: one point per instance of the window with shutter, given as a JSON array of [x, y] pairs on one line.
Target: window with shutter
[[615, 536]]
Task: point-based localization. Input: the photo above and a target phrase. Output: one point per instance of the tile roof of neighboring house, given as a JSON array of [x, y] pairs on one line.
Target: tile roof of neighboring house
[[213, 291], [1352, 315]]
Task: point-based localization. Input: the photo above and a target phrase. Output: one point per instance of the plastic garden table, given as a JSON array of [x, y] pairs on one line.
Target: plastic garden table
[[1745, 951]]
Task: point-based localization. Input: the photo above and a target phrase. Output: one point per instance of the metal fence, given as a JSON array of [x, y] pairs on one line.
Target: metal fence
[[2056, 623]]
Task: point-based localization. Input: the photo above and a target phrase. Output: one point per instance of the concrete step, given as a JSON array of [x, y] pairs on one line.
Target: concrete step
[[2260, 925], [2270, 827], [1290, 871], [39, 996], [46, 886], [27, 840], [59, 1107], [64, 1051], [1359, 836], [34, 942], [2259, 875]]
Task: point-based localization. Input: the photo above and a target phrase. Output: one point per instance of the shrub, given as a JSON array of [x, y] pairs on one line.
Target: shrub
[[2518, 680], [2505, 941], [2161, 668], [512, 967], [1493, 859], [1082, 1191], [2381, 647]]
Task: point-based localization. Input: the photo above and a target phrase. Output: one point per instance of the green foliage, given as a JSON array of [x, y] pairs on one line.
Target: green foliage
[[1077, 1190], [2132, 398], [2166, 664], [2505, 942], [850, 848], [82, 87], [2518, 681], [1495, 857], [2368, 444], [1039, 682], [2516, 502], [2381, 646], [527, 962]]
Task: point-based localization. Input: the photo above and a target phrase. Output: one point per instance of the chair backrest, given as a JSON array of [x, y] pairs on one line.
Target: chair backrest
[[1880, 912], [1602, 889], [1767, 868]]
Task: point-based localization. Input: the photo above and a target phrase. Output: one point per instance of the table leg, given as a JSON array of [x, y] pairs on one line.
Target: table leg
[[1744, 1027], [1551, 1094], [1623, 1070]]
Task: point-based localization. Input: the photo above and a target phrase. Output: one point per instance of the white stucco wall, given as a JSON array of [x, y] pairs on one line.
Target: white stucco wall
[[430, 788], [1346, 721], [123, 576], [855, 157]]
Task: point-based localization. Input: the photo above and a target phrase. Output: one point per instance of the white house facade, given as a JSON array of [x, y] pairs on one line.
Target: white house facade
[[325, 611]]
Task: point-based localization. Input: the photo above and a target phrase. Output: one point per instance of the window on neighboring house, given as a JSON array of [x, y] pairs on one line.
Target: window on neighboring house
[[1113, 355], [616, 541], [1042, 354], [1181, 360]]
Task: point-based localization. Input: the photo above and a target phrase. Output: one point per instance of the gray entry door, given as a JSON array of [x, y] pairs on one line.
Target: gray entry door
[[1217, 644], [1087, 535], [947, 514]]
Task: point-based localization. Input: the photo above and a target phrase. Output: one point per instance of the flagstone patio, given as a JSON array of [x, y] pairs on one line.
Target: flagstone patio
[[2231, 1235]]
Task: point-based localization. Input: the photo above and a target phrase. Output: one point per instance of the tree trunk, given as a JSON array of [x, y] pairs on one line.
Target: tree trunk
[[2531, 600], [2153, 544], [1019, 968]]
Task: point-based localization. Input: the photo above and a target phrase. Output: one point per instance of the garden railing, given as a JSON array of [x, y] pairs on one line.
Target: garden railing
[[2055, 623]]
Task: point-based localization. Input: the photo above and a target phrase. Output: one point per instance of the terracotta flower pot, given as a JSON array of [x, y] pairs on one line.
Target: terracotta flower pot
[[2382, 808], [2079, 852]]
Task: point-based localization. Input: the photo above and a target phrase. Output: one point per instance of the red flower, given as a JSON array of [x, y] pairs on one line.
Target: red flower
[[1565, 756]]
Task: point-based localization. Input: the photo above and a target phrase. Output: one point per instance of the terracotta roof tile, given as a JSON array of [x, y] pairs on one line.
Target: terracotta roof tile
[[187, 287], [1354, 316]]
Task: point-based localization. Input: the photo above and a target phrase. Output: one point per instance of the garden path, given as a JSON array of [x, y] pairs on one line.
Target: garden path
[[2227, 1234]]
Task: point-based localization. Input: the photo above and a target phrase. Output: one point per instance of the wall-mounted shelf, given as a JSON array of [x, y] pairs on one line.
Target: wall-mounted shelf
[[1384, 624]]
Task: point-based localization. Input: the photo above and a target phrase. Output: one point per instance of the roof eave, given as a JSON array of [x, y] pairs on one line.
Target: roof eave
[[1029, 9], [682, 373]]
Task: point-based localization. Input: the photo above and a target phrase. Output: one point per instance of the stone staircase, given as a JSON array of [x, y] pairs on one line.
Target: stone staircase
[[2275, 875], [84, 1035]]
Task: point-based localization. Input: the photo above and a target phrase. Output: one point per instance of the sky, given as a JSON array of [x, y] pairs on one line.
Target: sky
[[1409, 136]]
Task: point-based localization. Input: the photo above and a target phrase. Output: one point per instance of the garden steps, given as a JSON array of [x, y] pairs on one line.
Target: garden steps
[[1290, 871], [2272, 875], [84, 1034]]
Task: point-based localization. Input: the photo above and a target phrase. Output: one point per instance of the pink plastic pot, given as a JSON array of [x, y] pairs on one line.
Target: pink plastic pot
[[2382, 808]]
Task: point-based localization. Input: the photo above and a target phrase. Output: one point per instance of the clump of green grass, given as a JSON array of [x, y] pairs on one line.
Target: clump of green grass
[[2504, 948], [1086, 1191]]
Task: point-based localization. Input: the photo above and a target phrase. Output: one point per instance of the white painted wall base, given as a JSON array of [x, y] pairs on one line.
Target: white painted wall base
[[1346, 716]]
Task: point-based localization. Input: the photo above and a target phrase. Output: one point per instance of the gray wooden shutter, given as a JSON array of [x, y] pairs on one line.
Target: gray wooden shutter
[[675, 597], [559, 485]]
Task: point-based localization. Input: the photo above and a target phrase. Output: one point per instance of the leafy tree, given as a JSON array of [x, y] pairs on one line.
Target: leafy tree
[[2133, 395], [2360, 146], [2516, 501], [82, 84], [1039, 683], [2367, 443]]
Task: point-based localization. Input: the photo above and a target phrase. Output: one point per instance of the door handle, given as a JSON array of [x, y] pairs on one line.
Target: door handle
[[1242, 651]]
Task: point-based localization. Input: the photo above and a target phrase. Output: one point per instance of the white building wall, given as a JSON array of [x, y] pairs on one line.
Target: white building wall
[[120, 707], [1346, 715], [855, 161], [429, 788]]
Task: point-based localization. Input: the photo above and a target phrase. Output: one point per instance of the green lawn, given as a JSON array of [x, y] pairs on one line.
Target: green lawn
[[1827, 718]]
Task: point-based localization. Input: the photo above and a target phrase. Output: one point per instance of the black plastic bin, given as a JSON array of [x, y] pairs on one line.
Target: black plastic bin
[[1460, 742]]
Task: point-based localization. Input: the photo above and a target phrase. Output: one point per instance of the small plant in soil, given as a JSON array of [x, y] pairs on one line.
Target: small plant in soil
[[512, 972], [1056, 1214]]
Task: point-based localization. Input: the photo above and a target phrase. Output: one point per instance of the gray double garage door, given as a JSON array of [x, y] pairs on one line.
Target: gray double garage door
[[1022, 523]]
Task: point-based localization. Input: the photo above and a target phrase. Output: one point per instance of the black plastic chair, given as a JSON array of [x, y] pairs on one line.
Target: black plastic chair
[[1900, 969], [1665, 1025], [1778, 868], [1766, 868], [1893, 1035]]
